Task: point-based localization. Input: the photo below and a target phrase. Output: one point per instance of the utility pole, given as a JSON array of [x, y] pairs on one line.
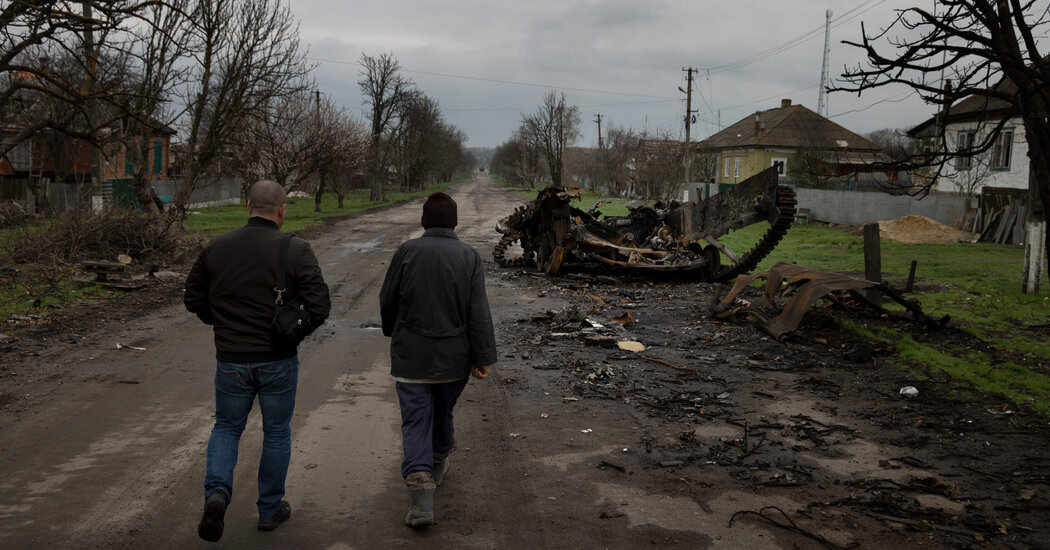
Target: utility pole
[[822, 98], [689, 117], [598, 119], [91, 54], [321, 172]]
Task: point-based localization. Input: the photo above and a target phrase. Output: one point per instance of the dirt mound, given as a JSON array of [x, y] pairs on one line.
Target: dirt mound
[[920, 229]]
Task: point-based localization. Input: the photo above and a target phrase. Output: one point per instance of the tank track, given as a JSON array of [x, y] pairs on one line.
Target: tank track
[[748, 261], [785, 204], [514, 223]]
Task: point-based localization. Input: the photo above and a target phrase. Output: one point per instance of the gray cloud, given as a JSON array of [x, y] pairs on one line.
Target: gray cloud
[[487, 62]]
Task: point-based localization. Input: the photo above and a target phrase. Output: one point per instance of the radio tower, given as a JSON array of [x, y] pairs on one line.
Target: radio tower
[[822, 101]]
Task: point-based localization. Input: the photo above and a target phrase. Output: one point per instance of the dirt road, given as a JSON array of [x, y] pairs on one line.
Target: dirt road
[[696, 444]]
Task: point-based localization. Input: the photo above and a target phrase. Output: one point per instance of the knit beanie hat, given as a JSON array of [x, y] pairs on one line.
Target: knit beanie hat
[[439, 210]]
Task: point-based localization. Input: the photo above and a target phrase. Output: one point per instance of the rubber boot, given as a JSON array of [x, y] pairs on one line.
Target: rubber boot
[[440, 467], [421, 489]]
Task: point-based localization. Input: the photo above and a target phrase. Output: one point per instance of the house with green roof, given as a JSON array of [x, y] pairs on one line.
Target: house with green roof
[[804, 146]]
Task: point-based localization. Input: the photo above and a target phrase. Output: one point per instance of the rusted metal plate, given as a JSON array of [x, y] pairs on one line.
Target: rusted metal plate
[[810, 286]]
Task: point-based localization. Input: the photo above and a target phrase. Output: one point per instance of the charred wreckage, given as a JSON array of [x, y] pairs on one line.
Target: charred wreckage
[[557, 237]]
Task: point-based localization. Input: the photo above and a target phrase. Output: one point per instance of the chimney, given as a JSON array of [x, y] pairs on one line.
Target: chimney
[[785, 103], [758, 125]]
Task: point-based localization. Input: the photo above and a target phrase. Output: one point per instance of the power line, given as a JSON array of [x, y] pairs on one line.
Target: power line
[[499, 81], [857, 11], [880, 102], [780, 95]]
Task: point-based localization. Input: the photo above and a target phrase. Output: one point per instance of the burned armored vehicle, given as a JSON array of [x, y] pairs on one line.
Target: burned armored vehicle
[[557, 237]]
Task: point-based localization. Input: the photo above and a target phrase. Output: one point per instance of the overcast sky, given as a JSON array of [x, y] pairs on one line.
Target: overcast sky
[[487, 62]]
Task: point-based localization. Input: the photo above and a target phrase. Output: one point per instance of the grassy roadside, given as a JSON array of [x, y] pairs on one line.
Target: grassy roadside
[[39, 291], [977, 284], [299, 214]]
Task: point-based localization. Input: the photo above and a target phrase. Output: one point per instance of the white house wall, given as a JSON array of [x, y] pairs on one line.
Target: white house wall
[[1016, 177]]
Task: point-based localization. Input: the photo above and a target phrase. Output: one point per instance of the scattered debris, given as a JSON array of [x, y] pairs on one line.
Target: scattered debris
[[810, 285], [625, 320], [910, 391], [630, 345], [123, 346]]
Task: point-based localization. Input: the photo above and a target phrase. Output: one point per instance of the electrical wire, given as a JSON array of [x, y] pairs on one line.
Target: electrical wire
[[857, 11], [498, 81]]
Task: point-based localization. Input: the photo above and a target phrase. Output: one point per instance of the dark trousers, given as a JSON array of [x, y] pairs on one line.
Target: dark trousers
[[426, 422]]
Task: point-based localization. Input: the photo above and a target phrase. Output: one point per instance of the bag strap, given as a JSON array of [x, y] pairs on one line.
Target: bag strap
[[282, 261]]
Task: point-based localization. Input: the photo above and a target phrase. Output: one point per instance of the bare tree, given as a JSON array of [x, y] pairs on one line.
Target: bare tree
[[249, 55], [896, 144], [52, 49], [156, 52], [987, 49], [615, 161], [659, 167], [517, 162], [385, 90], [553, 127]]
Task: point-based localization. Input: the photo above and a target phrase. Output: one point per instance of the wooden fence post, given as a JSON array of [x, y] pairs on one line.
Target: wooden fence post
[[873, 260]]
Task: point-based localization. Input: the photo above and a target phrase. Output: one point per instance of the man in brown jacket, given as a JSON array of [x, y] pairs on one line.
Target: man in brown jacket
[[231, 287]]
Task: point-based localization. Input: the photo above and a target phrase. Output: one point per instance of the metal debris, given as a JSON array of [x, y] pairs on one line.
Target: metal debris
[[810, 285]]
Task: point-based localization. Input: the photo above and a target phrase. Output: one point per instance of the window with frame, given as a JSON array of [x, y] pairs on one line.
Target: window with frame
[[728, 163], [781, 166], [1001, 150], [964, 143], [736, 168]]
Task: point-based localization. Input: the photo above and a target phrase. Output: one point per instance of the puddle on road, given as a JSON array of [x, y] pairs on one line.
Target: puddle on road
[[365, 246]]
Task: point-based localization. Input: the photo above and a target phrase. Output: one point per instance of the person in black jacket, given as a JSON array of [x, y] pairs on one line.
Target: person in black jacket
[[231, 287], [434, 308]]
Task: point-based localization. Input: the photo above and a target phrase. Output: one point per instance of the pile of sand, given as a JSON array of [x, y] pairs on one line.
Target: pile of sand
[[920, 229]]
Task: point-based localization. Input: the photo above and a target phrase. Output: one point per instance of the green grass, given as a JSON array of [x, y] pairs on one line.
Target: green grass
[[609, 206], [978, 285], [37, 293], [967, 368], [299, 214]]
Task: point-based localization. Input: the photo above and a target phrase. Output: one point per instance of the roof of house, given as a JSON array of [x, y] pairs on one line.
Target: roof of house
[[974, 108], [789, 126]]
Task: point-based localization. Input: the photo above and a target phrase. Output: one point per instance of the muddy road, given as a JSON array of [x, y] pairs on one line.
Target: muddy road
[[713, 437]]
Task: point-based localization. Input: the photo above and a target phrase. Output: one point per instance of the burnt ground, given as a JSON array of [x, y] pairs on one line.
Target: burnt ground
[[719, 403], [714, 436]]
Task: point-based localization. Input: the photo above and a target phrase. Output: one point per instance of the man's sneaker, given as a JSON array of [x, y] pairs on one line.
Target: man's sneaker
[[211, 525], [270, 523]]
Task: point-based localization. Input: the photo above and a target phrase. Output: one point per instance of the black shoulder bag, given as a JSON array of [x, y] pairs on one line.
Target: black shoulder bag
[[291, 322]]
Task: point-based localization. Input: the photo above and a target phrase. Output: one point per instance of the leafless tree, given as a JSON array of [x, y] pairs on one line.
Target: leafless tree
[[659, 167], [613, 169], [156, 50], [51, 49], [550, 129], [385, 90], [895, 144], [987, 49], [250, 55], [517, 163]]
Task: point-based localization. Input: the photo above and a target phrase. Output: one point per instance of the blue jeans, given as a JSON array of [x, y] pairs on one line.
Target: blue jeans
[[426, 422], [236, 385]]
